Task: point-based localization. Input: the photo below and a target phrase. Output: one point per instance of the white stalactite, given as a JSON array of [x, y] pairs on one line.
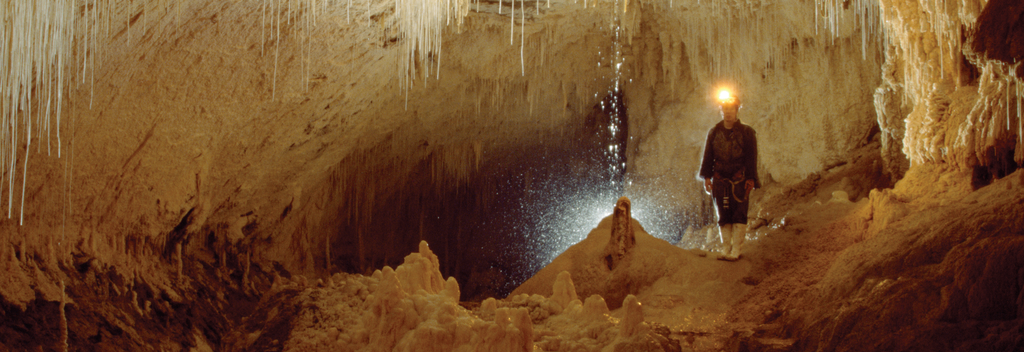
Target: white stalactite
[[420, 24], [37, 37]]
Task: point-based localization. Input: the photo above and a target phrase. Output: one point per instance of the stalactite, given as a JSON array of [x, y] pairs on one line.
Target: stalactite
[[512, 25], [263, 26], [277, 51], [979, 125], [36, 43], [522, 36], [248, 265], [128, 23], [420, 24], [1008, 82], [179, 261], [1019, 151], [95, 46], [306, 48]]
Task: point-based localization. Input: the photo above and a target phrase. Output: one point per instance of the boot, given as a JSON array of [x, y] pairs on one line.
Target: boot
[[725, 234], [739, 234]]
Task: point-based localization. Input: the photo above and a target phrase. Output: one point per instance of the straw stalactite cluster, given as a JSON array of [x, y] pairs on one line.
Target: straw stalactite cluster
[[36, 38], [50, 47]]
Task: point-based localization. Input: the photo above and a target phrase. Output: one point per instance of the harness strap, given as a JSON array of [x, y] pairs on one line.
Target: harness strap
[[732, 189]]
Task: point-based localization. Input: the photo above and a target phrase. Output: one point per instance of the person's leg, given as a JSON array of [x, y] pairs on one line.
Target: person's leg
[[739, 234], [725, 234], [739, 219]]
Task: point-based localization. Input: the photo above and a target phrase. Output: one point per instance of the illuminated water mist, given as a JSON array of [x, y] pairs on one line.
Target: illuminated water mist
[[572, 189], [553, 195], [524, 204]]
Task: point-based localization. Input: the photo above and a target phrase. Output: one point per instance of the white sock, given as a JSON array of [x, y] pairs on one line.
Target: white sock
[[725, 234], [739, 234]]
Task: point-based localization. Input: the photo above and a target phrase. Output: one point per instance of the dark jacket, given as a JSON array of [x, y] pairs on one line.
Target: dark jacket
[[730, 152]]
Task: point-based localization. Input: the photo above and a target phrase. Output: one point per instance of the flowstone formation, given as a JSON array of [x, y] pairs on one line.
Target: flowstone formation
[[411, 308], [937, 267], [952, 82]]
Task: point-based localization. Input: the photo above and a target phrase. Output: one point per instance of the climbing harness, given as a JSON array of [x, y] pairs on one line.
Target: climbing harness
[[732, 188]]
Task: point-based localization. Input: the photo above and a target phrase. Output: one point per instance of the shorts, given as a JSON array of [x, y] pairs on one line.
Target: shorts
[[730, 200]]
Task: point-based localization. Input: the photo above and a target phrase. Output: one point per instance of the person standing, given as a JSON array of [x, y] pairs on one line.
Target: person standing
[[729, 171]]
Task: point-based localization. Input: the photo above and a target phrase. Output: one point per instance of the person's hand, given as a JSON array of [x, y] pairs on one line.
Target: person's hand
[[749, 186], [707, 185]]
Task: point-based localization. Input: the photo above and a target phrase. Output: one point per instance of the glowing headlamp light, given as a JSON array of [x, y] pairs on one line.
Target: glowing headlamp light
[[726, 98]]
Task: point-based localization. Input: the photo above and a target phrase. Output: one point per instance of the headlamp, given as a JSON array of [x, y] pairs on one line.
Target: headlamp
[[725, 97]]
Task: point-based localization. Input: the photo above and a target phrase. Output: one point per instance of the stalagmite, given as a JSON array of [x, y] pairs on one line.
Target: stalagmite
[[634, 317], [563, 290], [622, 239], [594, 308]]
